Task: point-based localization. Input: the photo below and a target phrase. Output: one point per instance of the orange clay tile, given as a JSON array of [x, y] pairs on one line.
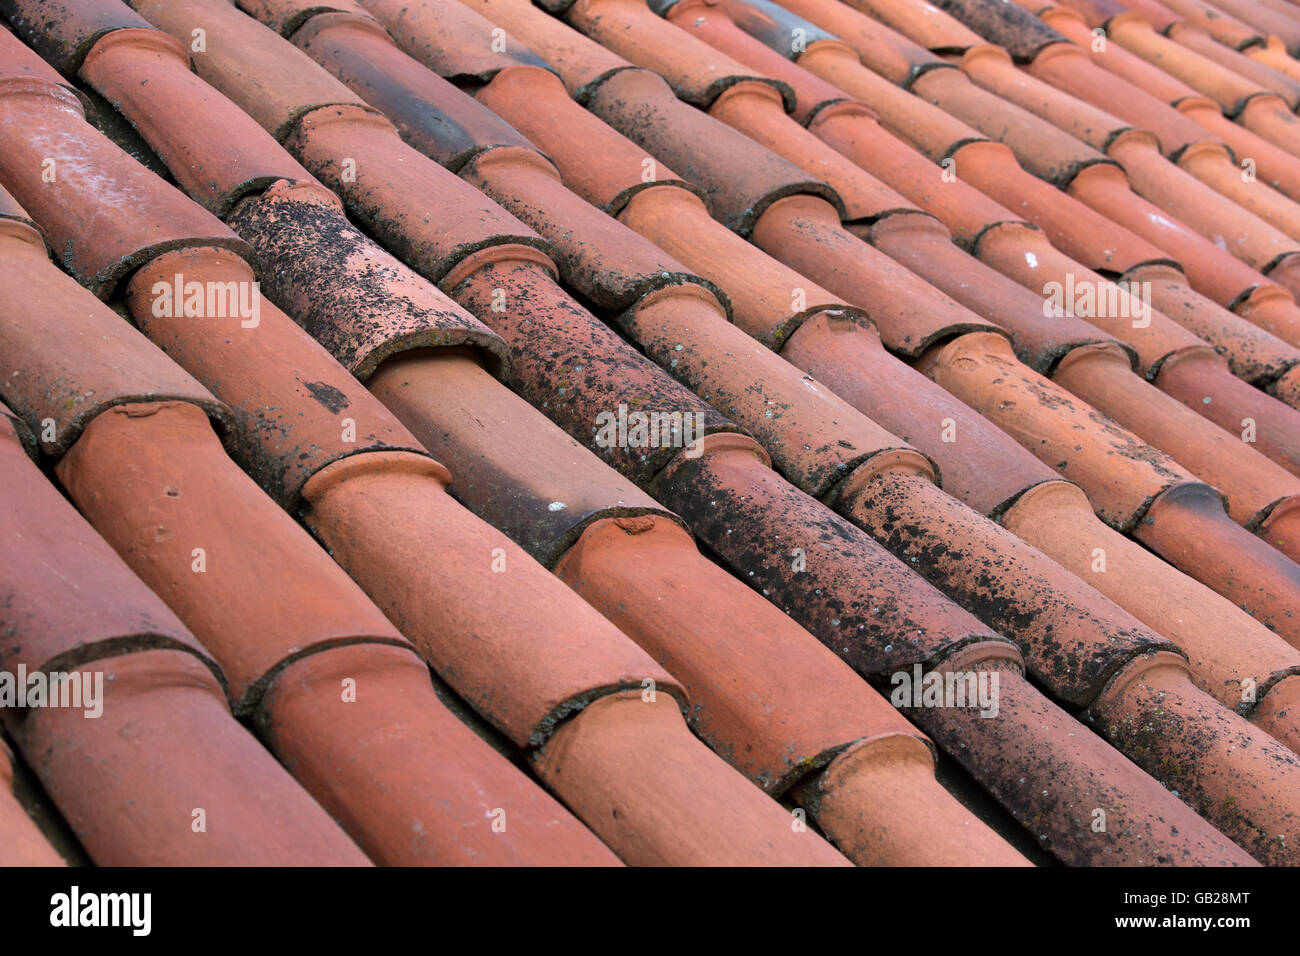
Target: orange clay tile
[[571, 364], [522, 649], [711, 22], [22, 844], [927, 127], [878, 804], [983, 467], [1067, 67], [768, 299], [1044, 150], [600, 165], [31, 113], [511, 464], [814, 437], [1281, 529], [1264, 76], [1069, 225], [350, 293], [888, 53], [65, 357], [696, 71], [154, 481], [94, 607], [1178, 194], [1230, 90], [602, 259], [727, 491], [1204, 383], [1213, 165], [412, 783], [923, 246], [1252, 353], [797, 706], [19, 60], [297, 410], [1026, 256], [352, 148], [582, 63], [1188, 527], [453, 40], [430, 113], [146, 75], [739, 178], [857, 598], [263, 74], [1073, 639], [1251, 482], [1226, 769], [922, 22], [1249, 19], [286, 16], [1064, 433], [804, 233], [1049, 767], [1276, 713], [596, 764], [387, 172], [757, 112], [1210, 268], [1229, 651], [166, 777], [1272, 53], [991, 68], [1076, 21], [965, 210], [63, 31]]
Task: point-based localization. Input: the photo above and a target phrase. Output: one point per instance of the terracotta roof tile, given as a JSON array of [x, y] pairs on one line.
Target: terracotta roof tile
[[943, 166]]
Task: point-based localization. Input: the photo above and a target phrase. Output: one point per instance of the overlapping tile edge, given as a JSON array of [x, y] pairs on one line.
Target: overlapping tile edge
[[567, 273]]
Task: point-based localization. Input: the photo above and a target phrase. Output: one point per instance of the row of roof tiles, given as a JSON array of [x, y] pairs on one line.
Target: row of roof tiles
[[795, 271]]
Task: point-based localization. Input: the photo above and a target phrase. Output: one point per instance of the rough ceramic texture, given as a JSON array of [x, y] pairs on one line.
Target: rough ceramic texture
[[350, 293], [263, 74], [600, 165], [430, 113], [409, 781], [797, 705], [739, 178], [131, 783], [696, 72], [768, 299], [804, 233], [67, 598], [296, 409], [220, 154], [425, 28], [67, 357], [23, 844], [63, 31], [512, 468], [683, 808], [520, 647], [859, 600], [97, 190], [602, 259], [156, 484]]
